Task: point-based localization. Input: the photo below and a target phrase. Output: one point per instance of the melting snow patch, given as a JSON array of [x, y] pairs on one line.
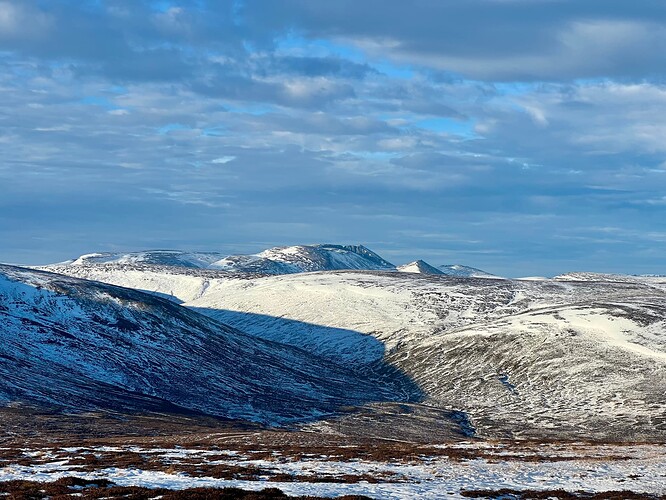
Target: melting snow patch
[[641, 470]]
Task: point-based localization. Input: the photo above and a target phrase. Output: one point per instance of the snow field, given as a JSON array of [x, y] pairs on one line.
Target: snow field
[[636, 468]]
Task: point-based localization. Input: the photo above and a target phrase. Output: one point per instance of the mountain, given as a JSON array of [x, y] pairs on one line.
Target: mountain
[[465, 271], [152, 257], [527, 359], [419, 266], [80, 345], [627, 278], [305, 258], [277, 260], [534, 359]]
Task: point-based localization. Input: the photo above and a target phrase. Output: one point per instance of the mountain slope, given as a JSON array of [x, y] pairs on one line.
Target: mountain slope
[[81, 345], [277, 260], [553, 358], [305, 258], [419, 266], [520, 358], [611, 278], [465, 271], [152, 257]]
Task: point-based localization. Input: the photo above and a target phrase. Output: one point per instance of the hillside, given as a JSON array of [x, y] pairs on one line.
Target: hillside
[[521, 358], [79, 345], [464, 271], [419, 266], [277, 260]]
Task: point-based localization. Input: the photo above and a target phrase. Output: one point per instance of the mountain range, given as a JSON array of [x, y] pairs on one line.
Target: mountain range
[[580, 356], [422, 267], [276, 260]]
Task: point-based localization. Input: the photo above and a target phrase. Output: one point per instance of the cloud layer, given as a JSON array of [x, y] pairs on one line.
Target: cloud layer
[[520, 136]]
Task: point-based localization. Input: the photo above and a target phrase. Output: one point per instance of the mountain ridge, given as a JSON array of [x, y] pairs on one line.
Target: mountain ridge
[[82, 345], [462, 271], [274, 261]]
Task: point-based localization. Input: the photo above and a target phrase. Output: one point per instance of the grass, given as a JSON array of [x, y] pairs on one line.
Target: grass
[[29, 437], [73, 487], [558, 494]]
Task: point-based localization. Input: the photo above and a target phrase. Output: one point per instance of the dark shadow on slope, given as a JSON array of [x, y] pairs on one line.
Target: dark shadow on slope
[[173, 359], [347, 346], [393, 410], [361, 354]]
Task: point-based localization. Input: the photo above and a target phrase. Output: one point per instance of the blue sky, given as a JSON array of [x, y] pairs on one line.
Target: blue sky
[[524, 137]]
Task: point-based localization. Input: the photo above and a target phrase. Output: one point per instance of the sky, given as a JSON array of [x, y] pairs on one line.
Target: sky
[[522, 137]]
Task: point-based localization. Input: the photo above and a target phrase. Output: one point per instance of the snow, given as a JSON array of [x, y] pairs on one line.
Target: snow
[[67, 342], [465, 271], [585, 356], [165, 257], [615, 331], [419, 266], [277, 260], [642, 471]]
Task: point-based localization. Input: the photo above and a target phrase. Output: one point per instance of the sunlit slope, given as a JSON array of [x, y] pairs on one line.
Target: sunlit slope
[[536, 358]]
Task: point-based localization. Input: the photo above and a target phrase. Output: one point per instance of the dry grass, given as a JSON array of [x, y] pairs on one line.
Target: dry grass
[[28, 438], [72, 487], [558, 494]]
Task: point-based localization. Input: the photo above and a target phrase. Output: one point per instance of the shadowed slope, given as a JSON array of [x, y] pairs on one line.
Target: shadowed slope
[[81, 345]]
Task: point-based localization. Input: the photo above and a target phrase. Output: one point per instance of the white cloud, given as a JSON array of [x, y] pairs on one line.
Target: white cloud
[[322, 136], [223, 159], [18, 21]]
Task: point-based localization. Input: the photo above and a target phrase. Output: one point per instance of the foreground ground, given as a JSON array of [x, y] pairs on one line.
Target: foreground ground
[[171, 457]]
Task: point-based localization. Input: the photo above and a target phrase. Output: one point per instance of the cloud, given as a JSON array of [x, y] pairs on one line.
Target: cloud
[[483, 39], [19, 21], [315, 66], [255, 123]]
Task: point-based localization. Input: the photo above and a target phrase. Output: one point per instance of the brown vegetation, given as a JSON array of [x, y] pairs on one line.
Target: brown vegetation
[[72, 487], [558, 494]]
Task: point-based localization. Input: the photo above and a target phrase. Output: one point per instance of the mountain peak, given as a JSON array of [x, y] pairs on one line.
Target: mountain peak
[[306, 258], [419, 266], [465, 271], [154, 257]]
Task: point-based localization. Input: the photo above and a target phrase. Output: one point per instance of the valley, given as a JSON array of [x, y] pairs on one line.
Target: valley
[[111, 366]]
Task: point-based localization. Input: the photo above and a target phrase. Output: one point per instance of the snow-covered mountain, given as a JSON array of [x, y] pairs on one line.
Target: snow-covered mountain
[[305, 258], [154, 257], [80, 345], [465, 271], [277, 260], [419, 266], [521, 358]]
